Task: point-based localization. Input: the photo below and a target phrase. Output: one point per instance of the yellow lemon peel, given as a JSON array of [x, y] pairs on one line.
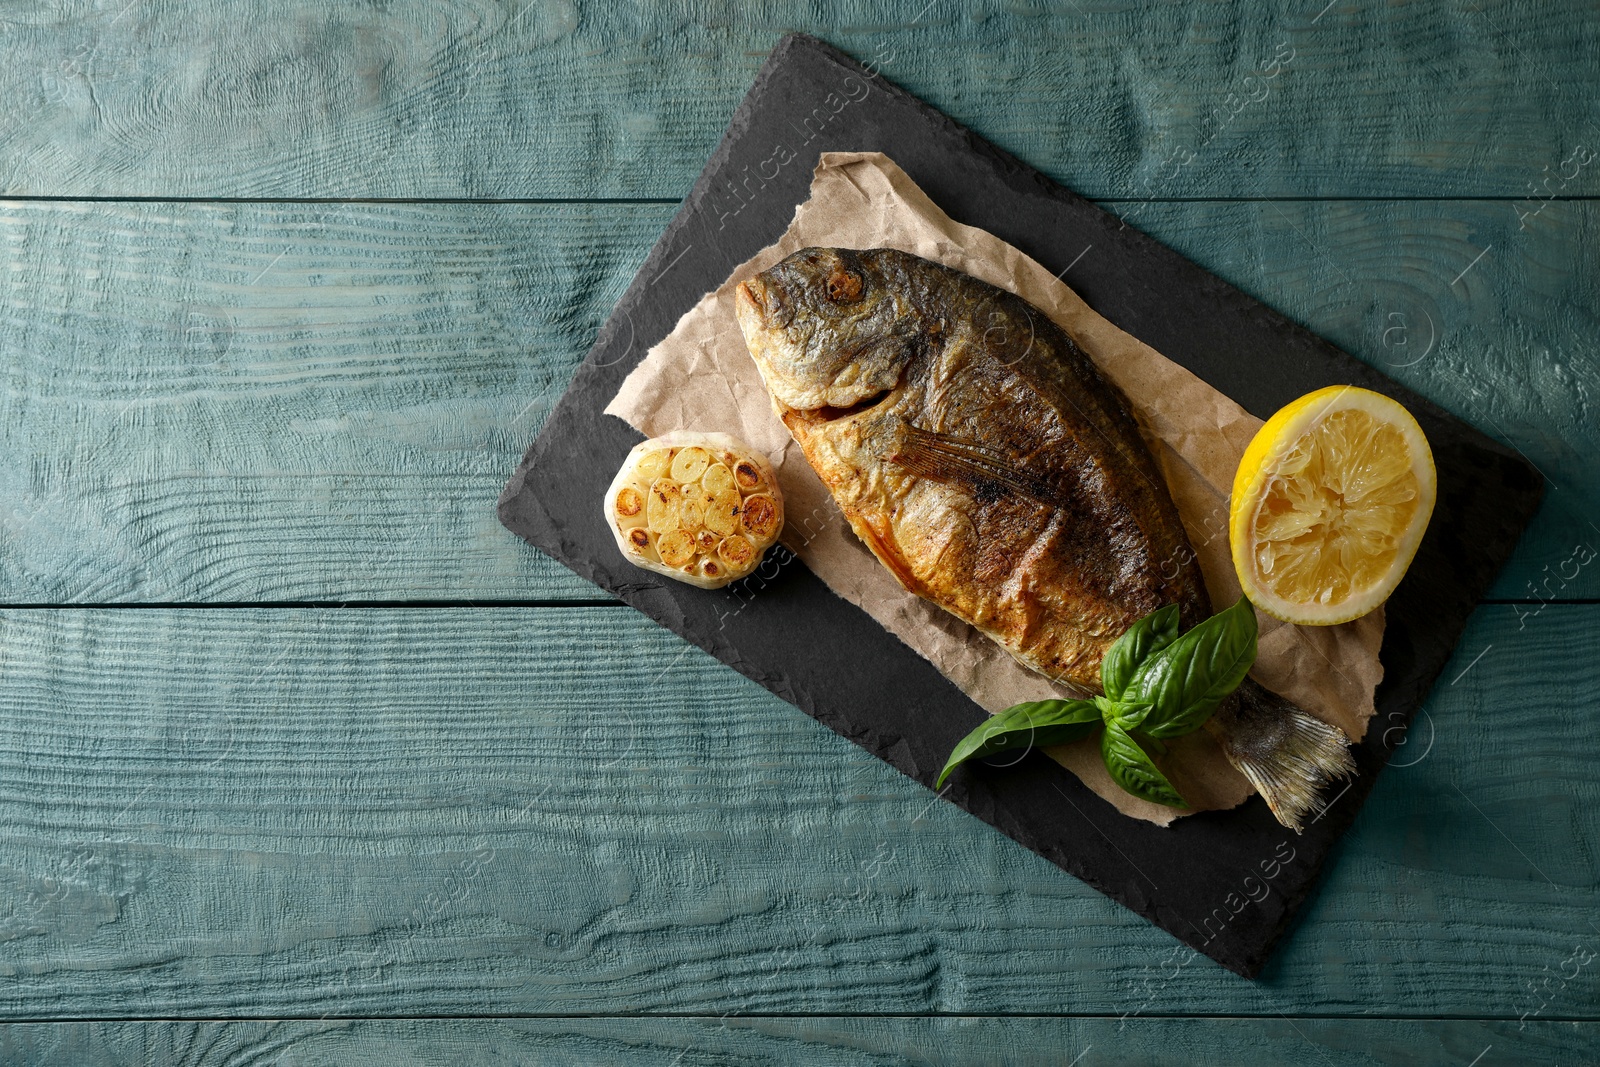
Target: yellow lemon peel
[[1329, 505]]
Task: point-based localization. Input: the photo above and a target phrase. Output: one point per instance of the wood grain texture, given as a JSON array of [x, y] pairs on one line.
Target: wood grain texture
[[553, 98], [388, 812], [815, 1042], [242, 402], [222, 812]]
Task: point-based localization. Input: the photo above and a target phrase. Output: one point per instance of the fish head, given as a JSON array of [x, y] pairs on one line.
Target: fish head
[[829, 328]]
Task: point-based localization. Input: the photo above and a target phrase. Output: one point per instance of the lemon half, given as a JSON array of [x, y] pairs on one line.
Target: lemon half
[[1329, 504]]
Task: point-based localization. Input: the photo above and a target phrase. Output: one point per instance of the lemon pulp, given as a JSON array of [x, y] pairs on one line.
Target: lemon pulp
[[1329, 505]]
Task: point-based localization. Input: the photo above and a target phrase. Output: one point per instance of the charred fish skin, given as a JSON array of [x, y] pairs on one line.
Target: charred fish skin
[[979, 453], [975, 449]]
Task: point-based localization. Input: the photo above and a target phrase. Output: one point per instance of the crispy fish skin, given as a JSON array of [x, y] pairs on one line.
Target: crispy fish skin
[[975, 449], [979, 453]]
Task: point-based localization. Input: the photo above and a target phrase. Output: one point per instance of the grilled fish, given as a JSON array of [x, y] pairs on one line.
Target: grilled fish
[[981, 456]]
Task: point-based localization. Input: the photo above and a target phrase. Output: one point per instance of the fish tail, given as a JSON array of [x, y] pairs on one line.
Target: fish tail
[[1288, 754]]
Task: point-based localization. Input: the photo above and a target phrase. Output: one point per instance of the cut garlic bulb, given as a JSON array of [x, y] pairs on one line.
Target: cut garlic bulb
[[702, 508]]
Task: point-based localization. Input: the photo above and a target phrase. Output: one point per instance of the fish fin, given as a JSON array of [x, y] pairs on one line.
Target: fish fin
[[943, 458], [1288, 754]]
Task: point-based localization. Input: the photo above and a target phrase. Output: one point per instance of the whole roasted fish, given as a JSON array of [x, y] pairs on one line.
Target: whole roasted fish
[[981, 456]]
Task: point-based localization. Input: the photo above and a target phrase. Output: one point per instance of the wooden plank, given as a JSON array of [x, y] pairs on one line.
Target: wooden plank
[[547, 99], [223, 812], [244, 402], [823, 1042]]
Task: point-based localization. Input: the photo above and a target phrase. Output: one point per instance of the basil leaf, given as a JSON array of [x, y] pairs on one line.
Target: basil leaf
[[1022, 726], [1184, 682], [1144, 639], [1133, 770], [1126, 715]]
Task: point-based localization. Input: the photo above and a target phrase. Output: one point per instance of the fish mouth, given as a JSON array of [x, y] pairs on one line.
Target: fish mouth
[[751, 300], [860, 407], [816, 416]]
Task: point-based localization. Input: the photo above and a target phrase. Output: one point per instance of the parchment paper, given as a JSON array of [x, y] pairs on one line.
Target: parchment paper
[[701, 377]]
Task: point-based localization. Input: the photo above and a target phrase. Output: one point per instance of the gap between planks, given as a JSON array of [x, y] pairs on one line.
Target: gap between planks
[[718, 1017], [667, 200]]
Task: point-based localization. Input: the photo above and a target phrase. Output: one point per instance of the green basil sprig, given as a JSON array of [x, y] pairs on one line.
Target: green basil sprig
[[1023, 726], [1144, 639], [1157, 685], [1133, 769], [1186, 681]]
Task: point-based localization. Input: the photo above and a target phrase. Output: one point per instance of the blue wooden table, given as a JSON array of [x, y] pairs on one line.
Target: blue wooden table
[[304, 759]]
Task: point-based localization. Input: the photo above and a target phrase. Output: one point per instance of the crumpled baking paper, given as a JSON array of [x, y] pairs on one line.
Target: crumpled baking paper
[[701, 377]]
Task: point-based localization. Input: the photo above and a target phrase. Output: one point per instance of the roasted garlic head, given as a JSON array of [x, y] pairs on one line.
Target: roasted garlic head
[[699, 507]]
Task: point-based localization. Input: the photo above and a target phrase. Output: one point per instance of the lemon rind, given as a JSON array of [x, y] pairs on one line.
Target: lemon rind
[[1285, 428]]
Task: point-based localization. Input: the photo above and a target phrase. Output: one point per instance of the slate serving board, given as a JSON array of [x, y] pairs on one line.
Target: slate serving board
[[1225, 883]]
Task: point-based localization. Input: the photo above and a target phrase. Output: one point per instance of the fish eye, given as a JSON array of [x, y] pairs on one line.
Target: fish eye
[[843, 286]]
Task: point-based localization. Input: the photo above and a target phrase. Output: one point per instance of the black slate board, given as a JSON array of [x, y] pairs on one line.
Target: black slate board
[[1199, 879]]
